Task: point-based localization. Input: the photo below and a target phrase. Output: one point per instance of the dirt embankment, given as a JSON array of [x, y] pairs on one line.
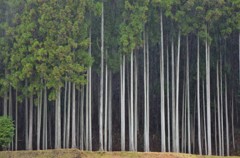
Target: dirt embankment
[[75, 153]]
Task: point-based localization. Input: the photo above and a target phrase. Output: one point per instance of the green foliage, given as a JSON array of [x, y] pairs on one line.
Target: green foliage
[[6, 131]]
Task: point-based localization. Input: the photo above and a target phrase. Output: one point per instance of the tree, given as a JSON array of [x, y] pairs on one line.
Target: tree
[[6, 131]]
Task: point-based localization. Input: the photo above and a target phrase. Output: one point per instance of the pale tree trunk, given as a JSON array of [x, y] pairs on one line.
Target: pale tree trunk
[[30, 134], [163, 134], [82, 119], [147, 88], [68, 115], [239, 53], [233, 139], [65, 115], [131, 105], [39, 119], [90, 92], [101, 85], [58, 119], [26, 120], [10, 102], [122, 74], [208, 98], [146, 130], [215, 125], [168, 105], [204, 119], [198, 99], [188, 100], [226, 117], [74, 116], [177, 94], [16, 122], [45, 117], [221, 105], [106, 106], [173, 98], [136, 102], [110, 113], [87, 117], [219, 114], [183, 149]]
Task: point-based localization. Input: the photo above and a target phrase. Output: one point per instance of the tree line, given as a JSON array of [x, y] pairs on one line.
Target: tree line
[[146, 75]]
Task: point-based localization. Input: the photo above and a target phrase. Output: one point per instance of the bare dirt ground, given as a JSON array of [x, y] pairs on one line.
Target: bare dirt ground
[[75, 153]]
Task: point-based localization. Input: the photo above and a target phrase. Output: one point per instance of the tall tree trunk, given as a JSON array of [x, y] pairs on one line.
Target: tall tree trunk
[[16, 121], [26, 121], [65, 114], [122, 74], [221, 105], [168, 105], [163, 134], [219, 113], [136, 102], [204, 119], [90, 92], [68, 115], [131, 105], [208, 98], [110, 113], [198, 98], [226, 117], [30, 134], [233, 138], [39, 119], [173, 97], [177, 93], [45, 118], [188, 99], [74, 116], [82, 119], [106, 106], [101, 85]]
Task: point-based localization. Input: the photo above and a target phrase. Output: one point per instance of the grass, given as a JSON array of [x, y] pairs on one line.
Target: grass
[[75, 153]]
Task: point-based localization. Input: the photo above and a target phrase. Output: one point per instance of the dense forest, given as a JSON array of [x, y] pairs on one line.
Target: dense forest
[[137, 75]]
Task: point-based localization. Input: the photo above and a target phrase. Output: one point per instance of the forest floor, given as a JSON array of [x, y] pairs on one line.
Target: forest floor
[[75, 153]]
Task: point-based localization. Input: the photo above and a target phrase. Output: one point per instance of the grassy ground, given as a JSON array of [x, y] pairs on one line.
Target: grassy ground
[[74, 153]]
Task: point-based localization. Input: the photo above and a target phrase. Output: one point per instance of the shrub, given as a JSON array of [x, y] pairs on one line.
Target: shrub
[[6, 131]]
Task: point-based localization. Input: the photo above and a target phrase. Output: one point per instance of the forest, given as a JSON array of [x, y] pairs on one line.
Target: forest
[[122, 75]]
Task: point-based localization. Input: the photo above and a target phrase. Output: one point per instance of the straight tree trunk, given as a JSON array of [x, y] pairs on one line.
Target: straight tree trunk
[[68, 115], [101, 85], [226, 117], [16, 121], [204, 120], [136, 103], [131, 105], [173, 98], [30, 124], [123, 104], [188, 100], [65, 114], [233, 138], [198, 99], [45, 118], [168, 104], [106, 106], [90, 92], [219, 114], [208, 98], [39, 119], [177, 93], [82, 119], [110, 113], [163, 134], [74, 116]]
